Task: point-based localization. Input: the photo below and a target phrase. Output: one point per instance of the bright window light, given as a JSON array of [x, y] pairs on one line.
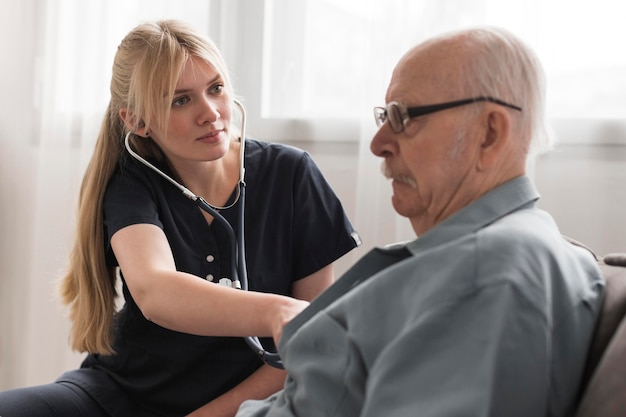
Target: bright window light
[[326, 56]]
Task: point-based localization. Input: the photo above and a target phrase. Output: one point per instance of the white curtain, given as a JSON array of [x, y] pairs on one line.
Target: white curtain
[[306, 69]]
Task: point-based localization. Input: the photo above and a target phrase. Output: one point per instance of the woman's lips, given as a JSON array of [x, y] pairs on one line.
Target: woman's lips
[[211, 137]]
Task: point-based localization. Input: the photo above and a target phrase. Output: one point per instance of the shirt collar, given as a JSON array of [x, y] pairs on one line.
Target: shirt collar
[[511, 196]]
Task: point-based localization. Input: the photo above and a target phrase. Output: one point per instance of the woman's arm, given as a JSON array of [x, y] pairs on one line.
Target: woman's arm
[[261, 384], [183, 302], [311, 286], [266, 380]]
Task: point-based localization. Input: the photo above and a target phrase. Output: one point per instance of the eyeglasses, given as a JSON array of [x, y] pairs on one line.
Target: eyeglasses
[[399, 115]]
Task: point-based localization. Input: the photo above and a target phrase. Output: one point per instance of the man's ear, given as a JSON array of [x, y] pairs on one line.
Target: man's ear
[[130, 120], [496, 139]]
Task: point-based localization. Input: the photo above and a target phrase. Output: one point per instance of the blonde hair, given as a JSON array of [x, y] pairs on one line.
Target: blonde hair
[[146, 69]]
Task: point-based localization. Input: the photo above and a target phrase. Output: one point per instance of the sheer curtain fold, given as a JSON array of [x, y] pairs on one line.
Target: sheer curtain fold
[[18, 127], [42, 143]]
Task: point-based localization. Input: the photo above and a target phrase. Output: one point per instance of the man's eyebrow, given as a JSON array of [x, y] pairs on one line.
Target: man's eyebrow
[[185, 90]]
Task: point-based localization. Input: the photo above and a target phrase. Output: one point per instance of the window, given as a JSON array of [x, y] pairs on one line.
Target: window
[[328, 61]]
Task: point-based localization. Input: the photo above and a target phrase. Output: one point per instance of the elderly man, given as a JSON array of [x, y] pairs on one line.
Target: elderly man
[[490, 311]]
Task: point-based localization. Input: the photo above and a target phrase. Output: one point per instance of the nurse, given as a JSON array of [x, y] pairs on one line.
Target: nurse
[[175, 347]]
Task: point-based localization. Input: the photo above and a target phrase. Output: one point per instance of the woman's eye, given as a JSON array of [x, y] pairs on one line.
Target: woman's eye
[[217, 88], [180, 101]]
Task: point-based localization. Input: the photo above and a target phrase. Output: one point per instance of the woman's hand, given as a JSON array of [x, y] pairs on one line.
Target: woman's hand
[[285, 314]]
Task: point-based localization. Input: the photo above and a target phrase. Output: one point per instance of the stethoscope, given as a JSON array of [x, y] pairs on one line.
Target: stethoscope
[[238, 252]]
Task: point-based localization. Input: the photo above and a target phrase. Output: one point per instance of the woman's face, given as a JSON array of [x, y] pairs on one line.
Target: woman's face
[[199, 121]]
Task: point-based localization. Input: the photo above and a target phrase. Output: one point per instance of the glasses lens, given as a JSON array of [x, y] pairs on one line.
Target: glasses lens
[[380, 115], [394, 115]]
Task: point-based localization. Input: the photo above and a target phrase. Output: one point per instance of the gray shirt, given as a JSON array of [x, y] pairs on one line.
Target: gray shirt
[[490, 313]]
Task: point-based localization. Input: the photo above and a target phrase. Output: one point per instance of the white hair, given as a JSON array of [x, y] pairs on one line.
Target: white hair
[[504, 67]]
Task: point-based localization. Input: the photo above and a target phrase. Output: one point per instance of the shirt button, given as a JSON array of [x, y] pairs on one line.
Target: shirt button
[[209, 277], [210, 258]]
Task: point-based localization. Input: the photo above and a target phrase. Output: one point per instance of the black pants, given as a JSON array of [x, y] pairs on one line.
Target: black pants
[[58, 399]]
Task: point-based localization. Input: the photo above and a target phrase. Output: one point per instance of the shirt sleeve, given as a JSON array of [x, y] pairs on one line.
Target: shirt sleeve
[[257, 408], [322, 231], [455, 359], [129, 199]]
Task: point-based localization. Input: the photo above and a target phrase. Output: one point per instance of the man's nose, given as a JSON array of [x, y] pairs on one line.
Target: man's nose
[[382, 143]]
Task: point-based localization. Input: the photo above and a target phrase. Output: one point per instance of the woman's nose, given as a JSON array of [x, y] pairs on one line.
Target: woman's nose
[[209, 112]]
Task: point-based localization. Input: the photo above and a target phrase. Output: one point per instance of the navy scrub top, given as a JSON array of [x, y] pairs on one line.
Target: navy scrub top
[[294, 226]]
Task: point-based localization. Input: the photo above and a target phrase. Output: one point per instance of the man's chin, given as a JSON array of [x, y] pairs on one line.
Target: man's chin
[[399, 206]]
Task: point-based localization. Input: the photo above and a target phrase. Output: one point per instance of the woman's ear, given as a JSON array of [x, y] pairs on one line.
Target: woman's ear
[[138, 128]]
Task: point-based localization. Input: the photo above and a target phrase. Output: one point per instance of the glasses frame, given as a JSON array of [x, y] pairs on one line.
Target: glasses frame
[[401, 115]]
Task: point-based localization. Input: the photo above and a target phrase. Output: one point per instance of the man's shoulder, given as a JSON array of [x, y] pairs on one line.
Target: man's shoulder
[[531, 231]]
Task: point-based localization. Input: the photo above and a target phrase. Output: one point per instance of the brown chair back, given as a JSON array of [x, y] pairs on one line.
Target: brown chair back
[[604, 384]]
